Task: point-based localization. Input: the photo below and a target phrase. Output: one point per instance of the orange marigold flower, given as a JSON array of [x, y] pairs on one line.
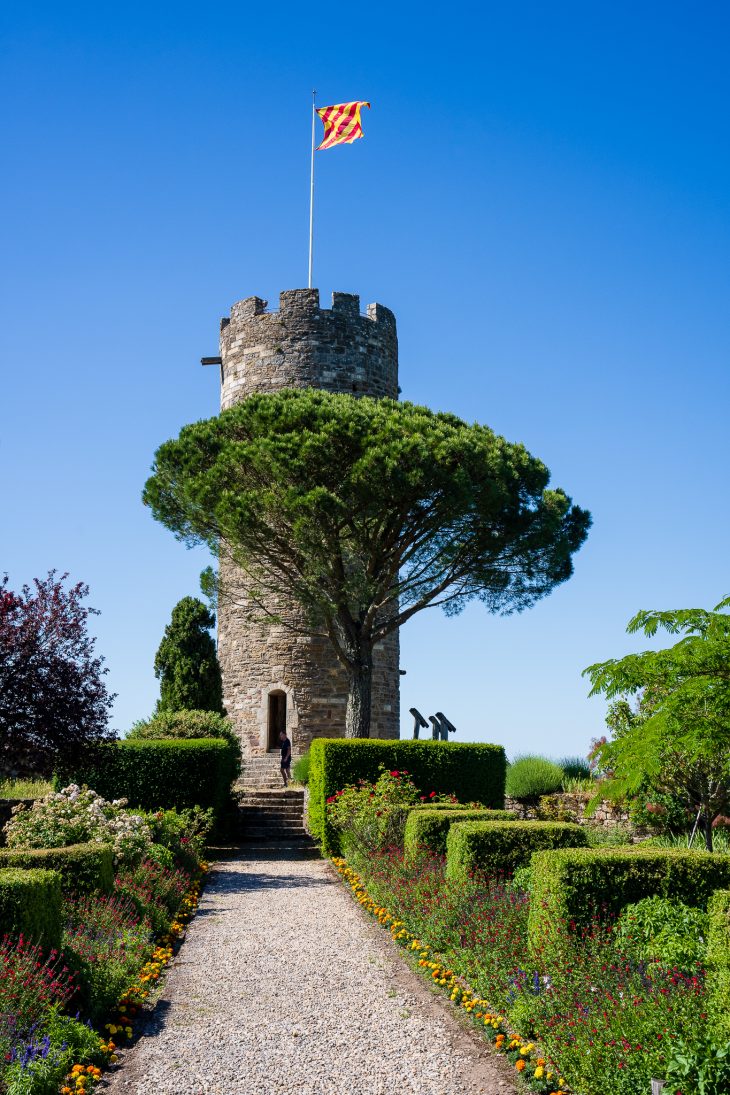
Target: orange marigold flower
[[519, 1065]]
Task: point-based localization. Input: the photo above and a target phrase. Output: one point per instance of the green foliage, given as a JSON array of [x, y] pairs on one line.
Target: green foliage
[[663, 930], [472, 772], [25, 788], [699, 1067], [530, 777], [498, 847], [371, 816], [186, 662], [165, 774], [576, 768], [608, 836], [30, 905], [427, 829], [105, 944], [300, 771], [182, 833], [82, 867], [678, 741], [69, 1042], [188, 724], [572, 886], [718, 963], [365, 511], [77, 815], [155, 891]]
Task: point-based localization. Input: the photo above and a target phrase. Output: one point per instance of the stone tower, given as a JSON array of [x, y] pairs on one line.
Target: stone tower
[[274, 677]]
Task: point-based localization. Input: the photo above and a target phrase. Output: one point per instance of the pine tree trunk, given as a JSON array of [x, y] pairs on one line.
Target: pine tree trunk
[[360, 679]]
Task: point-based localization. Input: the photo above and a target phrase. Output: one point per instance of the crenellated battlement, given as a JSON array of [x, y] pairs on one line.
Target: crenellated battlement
[[305, 302], [338, 349]]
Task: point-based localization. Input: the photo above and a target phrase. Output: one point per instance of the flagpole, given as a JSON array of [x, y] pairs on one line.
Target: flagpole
[[311, 196]]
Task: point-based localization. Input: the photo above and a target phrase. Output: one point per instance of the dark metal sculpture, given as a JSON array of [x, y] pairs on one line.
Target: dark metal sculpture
[[442, 726], [419, 722]]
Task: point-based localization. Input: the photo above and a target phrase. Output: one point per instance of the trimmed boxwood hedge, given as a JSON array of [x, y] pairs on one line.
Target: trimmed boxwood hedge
[[82, 867], [475, 772], [429, 828], [571, 886], [161, 774], [30, 905], [718, 964], [500, 847]]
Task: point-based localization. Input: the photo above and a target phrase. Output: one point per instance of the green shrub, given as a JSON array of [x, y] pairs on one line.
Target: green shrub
[[429, 828], [30, 905], [718, 964], [575, 768], [530, 777], [24, 788], [472, 772], [82, 867], [573, 885], [163, 774], [698, 1066], [300, 771], [187, 725], [182, 833], [77, 815], [499, 847], [105, 944], [663, 930]]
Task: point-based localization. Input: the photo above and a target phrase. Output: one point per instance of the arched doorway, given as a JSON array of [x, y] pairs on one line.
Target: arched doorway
[[276, 718]]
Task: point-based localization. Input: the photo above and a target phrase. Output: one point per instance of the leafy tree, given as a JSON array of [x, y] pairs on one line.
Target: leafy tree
[[186, 662], [679, 738], [53, 700], [365, 512]]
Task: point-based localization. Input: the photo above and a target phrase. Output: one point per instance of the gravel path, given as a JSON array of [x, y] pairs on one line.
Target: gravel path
[[284, 985]]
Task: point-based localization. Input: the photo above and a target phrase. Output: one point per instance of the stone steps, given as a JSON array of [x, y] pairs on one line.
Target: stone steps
[[272, 821]]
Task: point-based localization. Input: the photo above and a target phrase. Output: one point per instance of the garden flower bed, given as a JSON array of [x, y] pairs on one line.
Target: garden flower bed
[[613, 1003], [65, 1011]]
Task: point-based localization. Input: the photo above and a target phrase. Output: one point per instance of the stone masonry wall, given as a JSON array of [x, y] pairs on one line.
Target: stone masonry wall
[[339, 350]]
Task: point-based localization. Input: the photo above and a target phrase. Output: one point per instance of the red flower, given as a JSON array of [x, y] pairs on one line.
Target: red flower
[[432, 795]]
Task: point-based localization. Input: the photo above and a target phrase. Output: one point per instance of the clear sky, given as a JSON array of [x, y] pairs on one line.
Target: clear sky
[[543, 198]]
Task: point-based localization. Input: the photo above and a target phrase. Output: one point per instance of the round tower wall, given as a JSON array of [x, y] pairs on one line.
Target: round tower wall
[[263, 665]]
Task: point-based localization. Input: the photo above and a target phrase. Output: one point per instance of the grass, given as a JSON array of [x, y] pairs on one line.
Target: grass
[[24, 788]]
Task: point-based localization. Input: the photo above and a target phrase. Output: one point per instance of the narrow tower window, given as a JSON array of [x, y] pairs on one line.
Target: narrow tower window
[[276, 717]]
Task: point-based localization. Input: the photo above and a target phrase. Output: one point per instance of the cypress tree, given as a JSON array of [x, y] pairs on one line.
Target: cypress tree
[[186, 662]]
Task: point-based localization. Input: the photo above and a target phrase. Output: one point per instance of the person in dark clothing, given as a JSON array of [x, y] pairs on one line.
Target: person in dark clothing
[[285, 757]]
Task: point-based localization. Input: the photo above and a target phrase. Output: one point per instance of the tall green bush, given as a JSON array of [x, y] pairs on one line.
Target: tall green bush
[[82, 867], [472, 772], [500, 847], [187, 661], [718, 964], [428, 829], [188, 724], [573, 885], [30, 905], [163, 774], [530, 777]]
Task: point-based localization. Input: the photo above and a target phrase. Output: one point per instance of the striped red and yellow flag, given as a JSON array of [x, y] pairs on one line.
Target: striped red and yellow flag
[[341, 123]]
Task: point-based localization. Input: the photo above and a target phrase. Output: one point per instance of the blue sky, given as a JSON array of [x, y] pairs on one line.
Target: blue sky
[[543, 198]]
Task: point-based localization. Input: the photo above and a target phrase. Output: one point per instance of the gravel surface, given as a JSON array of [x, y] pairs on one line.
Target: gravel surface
[[284, 985]]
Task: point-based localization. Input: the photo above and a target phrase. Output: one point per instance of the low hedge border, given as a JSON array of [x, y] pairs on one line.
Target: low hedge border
[[473, 771], [161, 773], [500, 847], [718, 964], [571, 886], [30, 905], [429, 828], [82, 867]]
